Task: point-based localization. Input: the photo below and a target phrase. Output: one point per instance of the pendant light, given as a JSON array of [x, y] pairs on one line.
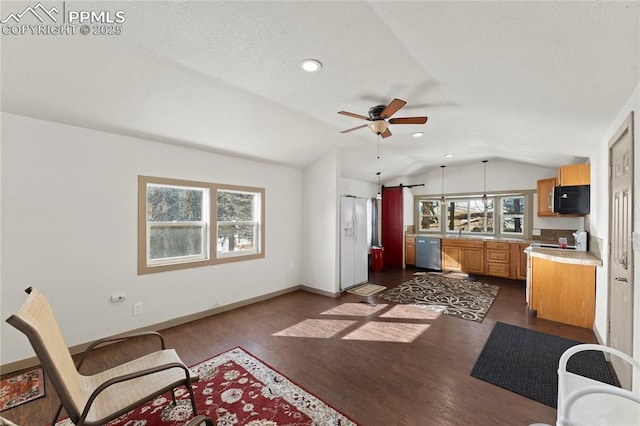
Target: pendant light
[[442, 199], [484, 195], [379, 195]]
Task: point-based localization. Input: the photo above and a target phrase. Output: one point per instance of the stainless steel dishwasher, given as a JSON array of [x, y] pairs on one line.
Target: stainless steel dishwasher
[[428, 253]]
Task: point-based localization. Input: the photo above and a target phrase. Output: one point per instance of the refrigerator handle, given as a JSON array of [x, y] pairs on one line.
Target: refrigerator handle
[[355, 228]]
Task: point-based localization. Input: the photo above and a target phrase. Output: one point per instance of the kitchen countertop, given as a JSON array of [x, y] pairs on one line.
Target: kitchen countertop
[[471, 237], [566, 256]]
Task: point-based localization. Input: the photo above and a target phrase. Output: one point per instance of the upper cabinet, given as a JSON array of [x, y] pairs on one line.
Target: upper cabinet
[[545, 197], [574, 174], [570, 175]]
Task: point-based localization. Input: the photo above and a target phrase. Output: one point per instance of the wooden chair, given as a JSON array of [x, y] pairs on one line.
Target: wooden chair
[[99, 398]]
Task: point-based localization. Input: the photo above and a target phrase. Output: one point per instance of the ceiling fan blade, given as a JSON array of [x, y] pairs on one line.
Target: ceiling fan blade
[[392, 108], [350, 114], [386, 134], [355, 128], [408, 120]]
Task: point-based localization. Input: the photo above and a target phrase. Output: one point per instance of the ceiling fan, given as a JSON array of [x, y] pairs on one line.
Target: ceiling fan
[[378, 116]]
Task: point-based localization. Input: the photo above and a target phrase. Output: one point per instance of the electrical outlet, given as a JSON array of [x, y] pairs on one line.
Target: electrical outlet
[[137, 309], [535, 232], [118, 297]]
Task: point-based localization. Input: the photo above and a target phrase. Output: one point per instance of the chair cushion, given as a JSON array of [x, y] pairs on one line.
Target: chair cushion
[[122, 397]]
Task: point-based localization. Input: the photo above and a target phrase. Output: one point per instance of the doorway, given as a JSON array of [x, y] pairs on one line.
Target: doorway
[[620, 279]]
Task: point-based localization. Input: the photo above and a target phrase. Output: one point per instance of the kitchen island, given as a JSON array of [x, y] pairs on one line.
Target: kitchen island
[[563, 285]]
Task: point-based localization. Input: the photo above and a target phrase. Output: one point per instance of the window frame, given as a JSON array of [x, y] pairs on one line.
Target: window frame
[[212, 256]]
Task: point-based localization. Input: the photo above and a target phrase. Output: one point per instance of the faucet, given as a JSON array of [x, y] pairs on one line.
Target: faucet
[[459, 232]]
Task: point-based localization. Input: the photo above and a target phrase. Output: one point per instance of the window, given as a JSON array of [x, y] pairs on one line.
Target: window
[[184, 224], [512, 215], [429, 215], [470, 215], [238, 222], [504, 214], [177, 224]]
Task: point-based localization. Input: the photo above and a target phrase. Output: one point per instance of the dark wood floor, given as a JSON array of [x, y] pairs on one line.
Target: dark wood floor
[[424, 382]]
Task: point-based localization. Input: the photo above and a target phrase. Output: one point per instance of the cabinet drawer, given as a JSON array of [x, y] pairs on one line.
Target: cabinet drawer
[[411, 240], [497, 256], [498, 270], [497, 246], [454, 242]]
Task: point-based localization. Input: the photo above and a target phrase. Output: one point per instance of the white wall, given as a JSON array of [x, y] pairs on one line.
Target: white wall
[[357, 188], [69, 228], [320, 245], [600, 221]]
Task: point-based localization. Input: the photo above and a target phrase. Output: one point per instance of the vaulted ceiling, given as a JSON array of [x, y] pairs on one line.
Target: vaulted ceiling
[[536, 82]]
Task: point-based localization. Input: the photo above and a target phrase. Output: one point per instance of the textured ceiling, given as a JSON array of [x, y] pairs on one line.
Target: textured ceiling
[[536, 82]]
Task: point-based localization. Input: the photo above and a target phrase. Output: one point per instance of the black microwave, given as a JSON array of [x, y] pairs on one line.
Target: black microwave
[[571, 199]]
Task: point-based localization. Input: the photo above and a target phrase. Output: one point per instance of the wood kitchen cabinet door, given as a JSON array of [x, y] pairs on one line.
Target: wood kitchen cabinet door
[[574, 174], [473, 260], [521, 272], [545, 195], [410, 250], [451, 258]]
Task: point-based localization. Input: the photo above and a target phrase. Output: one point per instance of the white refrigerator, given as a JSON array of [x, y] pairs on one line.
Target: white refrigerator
[[354, 247]]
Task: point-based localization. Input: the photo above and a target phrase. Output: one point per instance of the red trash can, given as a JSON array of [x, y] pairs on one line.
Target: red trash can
[[377, 259]]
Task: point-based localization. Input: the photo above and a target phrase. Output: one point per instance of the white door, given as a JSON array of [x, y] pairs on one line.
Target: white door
[[620, 310], [347, 242]]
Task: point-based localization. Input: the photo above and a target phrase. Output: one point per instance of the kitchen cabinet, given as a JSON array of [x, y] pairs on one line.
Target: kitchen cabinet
[[410, 250], [574, 174], [545, 196], [463, 255], [563, 292], [517, 250], [497, 255]]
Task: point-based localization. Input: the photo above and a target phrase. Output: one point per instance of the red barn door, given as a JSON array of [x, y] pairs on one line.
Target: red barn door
[[392, 227]]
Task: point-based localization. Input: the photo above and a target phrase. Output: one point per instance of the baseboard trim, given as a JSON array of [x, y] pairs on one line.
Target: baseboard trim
[[77, 349], [320, 292]]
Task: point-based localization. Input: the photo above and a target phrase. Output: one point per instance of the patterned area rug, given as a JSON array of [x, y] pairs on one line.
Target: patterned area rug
[[23, 388], [461, 298], [236, 388]]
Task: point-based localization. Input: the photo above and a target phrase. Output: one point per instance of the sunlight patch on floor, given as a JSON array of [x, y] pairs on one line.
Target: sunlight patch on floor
[[319, 328], [355, 309], [387, 332], [413, 312]]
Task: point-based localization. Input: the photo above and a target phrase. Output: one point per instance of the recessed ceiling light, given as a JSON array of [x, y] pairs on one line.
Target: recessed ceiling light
[[417, 134], [311, 65], [449, 155]]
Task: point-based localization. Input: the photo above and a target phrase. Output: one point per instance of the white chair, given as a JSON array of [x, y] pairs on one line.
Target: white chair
[[584, 401]]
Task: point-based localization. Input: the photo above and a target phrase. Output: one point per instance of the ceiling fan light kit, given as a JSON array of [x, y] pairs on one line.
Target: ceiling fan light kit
[[378, 127]]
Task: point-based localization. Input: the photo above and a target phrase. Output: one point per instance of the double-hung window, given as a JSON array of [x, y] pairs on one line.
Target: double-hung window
[[512, 216], [184, 224], [238, 222], [470, 215], [177, 224]]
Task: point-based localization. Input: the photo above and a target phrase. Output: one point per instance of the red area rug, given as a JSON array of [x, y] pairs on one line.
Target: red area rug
[[23, 388], [236, 388]]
